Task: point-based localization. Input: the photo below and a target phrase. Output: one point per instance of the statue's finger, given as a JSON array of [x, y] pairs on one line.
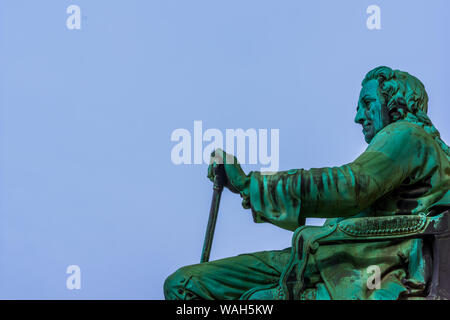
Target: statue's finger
[[210, 172]]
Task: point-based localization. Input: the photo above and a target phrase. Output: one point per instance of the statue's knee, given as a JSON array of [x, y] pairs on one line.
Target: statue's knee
[[174, 286]]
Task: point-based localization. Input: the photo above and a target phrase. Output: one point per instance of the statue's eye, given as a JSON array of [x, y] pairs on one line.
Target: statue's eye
[[367, 102]]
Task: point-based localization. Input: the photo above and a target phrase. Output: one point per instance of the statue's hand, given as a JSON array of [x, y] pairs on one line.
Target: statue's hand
[[236, 177]]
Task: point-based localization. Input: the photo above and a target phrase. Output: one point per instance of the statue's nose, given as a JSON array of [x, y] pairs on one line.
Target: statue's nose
[[359, 118]]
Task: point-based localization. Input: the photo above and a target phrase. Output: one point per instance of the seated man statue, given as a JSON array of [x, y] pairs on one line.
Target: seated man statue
[[404, 172]]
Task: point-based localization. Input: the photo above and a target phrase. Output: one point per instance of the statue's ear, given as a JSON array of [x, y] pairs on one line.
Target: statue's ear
[[397, 108]]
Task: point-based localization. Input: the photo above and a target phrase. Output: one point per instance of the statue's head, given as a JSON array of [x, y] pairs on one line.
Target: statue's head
[[387, 96]]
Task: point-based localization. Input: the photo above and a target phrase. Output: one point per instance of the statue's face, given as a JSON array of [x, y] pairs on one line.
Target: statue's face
[[371, 112]]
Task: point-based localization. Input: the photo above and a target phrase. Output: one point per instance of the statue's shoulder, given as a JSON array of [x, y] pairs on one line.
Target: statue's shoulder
[[401, 140], [403, 126], [404, 131]]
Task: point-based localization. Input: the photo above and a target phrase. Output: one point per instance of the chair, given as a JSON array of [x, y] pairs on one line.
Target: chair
[[433, 228]]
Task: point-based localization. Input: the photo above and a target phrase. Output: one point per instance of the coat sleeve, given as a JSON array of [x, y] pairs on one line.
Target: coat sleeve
[[286, 198]]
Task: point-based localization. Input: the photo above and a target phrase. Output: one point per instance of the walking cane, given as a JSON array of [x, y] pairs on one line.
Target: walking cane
[[220, 178]]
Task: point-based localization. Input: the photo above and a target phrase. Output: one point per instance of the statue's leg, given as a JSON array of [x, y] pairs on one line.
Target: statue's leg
[[226, 278]]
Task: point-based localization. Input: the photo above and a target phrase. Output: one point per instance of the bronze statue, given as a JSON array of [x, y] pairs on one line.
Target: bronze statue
[[387, 210]]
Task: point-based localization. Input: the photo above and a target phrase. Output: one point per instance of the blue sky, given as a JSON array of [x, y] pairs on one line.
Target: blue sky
[[86, 176]]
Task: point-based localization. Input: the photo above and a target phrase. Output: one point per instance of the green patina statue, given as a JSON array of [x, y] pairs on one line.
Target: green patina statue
[[382, 210]]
